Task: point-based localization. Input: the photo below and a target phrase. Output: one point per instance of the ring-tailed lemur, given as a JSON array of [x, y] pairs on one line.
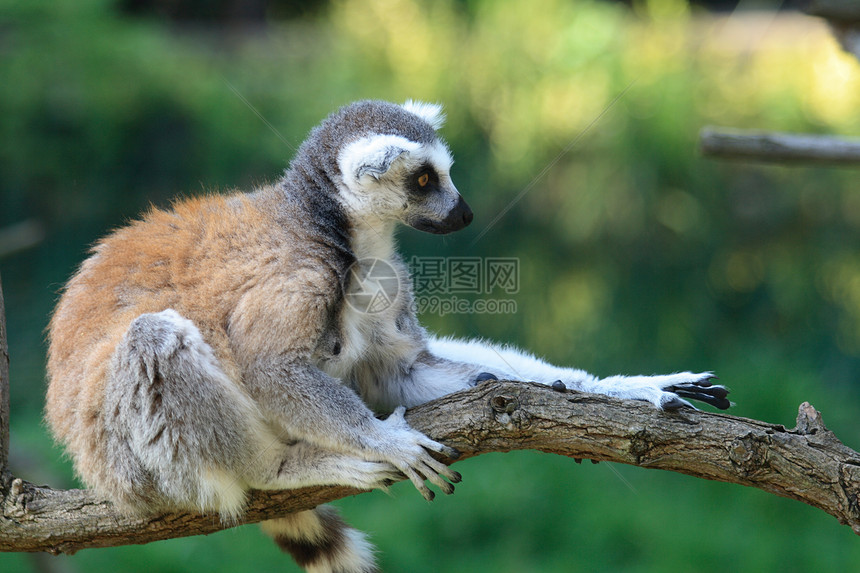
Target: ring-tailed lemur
[[211, 348]]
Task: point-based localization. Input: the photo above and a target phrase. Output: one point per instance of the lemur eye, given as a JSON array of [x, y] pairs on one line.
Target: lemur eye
[[423, 179]]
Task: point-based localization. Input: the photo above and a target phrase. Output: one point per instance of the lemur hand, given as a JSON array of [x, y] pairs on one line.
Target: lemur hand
[[409, 451]]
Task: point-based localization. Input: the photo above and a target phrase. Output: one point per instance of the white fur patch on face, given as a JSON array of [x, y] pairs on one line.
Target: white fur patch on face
[[439, 156], [375, 155], [373, 168], [372, 155], [429, 112]]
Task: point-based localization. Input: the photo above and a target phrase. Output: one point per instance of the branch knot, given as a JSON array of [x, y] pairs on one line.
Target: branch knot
[[749, 454], [809, 421], [507, 411], [641, 443]]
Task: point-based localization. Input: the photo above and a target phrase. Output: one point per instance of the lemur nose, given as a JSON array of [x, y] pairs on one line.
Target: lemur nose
[[468, 216]]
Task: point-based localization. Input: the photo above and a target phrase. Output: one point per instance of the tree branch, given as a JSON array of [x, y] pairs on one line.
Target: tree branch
[[844, 19], [779, 147], [843, 16], [807, 463], [841, 10]]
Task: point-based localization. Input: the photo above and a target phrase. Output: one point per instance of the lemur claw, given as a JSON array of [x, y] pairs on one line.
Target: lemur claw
[[704, 391]]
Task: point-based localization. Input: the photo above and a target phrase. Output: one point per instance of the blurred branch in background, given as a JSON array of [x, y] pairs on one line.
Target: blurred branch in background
[[779, 147], [844, 10], [21, 236], [844, 18]]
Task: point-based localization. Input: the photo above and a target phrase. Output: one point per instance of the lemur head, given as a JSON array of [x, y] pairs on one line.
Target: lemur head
[[391, 165]]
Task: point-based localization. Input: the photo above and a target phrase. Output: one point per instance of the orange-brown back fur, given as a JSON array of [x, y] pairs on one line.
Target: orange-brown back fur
[[203, 258]]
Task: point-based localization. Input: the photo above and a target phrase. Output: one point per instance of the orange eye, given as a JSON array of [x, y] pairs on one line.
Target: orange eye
[[423, 179]]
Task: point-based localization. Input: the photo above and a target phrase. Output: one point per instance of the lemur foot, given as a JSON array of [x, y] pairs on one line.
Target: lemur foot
[[699, 387], [702, 390], [666, 391]]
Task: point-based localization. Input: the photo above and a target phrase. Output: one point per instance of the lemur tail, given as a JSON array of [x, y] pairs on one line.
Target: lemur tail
[[321, 542]]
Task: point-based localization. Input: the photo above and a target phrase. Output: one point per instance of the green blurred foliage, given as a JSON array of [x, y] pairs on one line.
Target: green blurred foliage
[[636, 255]]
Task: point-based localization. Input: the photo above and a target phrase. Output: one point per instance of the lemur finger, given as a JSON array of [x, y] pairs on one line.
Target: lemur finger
[[713, 395], [699, 394], [435, 478], [715, 391], [418, 483], [432, 446], [443, 470], [397, 418], [717, 401], [449, 452]]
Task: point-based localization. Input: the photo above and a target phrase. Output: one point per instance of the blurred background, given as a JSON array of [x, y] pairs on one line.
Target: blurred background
[[636, 255]]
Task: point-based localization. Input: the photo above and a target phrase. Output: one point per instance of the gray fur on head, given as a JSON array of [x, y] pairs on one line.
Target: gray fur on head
[[317, 157]]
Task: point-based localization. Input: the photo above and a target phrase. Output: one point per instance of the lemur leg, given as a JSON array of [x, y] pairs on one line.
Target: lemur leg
[[180, 433], [450, 360], [310, 406], [280, 465], [177, 430]]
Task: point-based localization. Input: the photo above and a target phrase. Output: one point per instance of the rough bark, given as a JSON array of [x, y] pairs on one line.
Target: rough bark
[[807, 463]]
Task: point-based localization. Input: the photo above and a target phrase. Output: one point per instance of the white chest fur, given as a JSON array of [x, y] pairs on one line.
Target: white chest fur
[[377, 337], [369, 331]]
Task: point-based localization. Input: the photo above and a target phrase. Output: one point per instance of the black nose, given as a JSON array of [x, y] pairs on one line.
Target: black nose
[[457, 218], [460, 216], [467, 215]]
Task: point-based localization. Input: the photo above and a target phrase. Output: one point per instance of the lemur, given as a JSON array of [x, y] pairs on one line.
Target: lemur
[[207, 349]]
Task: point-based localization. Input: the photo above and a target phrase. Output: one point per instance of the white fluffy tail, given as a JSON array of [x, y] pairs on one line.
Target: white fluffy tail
[[321, 542]]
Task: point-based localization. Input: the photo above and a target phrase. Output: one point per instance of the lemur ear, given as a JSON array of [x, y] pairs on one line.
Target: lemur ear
[[377, 163], [429, 112], [374, 155]]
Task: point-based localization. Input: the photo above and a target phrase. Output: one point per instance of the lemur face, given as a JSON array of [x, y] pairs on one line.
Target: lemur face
[[433, 203], [395, 178]]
